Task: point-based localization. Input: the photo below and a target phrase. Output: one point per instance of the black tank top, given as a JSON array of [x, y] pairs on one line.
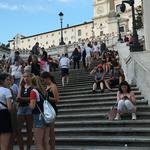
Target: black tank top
[[25, 92], [50, 94]]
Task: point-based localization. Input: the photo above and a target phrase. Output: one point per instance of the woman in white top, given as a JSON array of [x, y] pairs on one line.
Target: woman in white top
[[16, 70], [5, 107], [126, 101]]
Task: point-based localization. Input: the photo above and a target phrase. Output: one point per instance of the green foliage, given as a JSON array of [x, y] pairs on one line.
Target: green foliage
[[139, 17]]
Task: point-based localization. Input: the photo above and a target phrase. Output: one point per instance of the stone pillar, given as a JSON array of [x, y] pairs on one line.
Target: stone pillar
[[146, 5]]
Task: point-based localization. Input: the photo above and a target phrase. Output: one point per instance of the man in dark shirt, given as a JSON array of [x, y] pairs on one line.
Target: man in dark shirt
[[36, 49]]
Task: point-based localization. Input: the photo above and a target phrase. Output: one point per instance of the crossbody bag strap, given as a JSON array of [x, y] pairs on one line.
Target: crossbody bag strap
[[3, 104]]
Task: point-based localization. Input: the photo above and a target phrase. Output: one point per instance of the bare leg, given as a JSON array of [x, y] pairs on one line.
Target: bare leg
[[52, 137], [67, 78], [20, 120], [39, 138], [63, 81], [107, 85], [29, 126], [94, 86], [102, 86], [46, 139], [5, 141]]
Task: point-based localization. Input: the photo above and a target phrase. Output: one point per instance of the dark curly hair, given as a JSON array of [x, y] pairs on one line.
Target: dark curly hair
[[46, 75], [124, 83]]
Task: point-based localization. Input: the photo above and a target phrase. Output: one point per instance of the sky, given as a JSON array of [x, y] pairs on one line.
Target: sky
[[29, 17]]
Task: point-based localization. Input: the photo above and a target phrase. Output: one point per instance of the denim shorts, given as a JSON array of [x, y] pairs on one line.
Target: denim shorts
[[26, 110], [38, 121]]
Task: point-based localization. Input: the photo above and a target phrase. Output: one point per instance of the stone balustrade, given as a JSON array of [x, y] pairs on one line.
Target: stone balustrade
[[136, 66]]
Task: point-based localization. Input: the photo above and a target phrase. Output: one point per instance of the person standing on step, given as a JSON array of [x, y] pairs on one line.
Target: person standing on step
[[5, 109], [126, 101], [24, 113], [41, 129], [76, 55], [88, 56], [53, 98], [64, 65]]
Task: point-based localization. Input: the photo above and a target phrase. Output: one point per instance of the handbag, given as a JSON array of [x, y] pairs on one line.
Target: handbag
[[112, 113], [48, 113]]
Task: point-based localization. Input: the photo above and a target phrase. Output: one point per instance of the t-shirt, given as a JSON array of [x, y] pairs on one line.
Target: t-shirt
[[64, 62], [16, 71], [36, 95], [88, 51], [5, 95]]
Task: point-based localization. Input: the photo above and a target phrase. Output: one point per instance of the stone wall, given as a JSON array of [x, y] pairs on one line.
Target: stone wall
[[136, 66]]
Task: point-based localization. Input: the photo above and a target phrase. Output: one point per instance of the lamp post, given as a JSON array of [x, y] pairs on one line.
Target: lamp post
[[118, 23], [136, 45], [61, 19]]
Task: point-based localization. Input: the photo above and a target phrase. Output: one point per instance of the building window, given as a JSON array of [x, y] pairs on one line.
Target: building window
[[79, 32], [121, 29], [34, 38], [72, 30], [22, 41], [65, 31], [101, 33], [72, 37], [28, 40], [86, 34], [53, 34], [29, 46], [47, 36], [46, 42], [59, 33], [118, 8]]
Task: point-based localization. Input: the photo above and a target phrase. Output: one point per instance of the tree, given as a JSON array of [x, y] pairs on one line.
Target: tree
[[139, 17]]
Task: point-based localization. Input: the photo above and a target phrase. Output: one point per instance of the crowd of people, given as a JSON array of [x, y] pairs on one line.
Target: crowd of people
[[25, 84]]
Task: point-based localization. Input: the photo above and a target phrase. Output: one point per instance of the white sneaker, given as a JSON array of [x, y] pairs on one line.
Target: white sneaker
[[133, 116], [118, 117]]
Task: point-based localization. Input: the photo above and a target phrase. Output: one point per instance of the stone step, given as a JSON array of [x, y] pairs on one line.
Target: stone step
[[83, 95], [97, 115], [86, 88], [89, 90], [81, 147], [103, 140], [80, 85], [95, 108], [98, 131], [104, 123], [81, 103]]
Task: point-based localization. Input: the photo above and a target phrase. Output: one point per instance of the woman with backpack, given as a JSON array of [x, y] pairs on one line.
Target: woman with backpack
[[53, 98], [41, 129]]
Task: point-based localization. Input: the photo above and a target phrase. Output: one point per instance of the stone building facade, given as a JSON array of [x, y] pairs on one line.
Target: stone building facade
[[103, 24]]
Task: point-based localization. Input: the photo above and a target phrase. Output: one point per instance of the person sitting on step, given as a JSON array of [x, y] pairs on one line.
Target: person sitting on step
[[116, 75], [99, 74], [126, 101]]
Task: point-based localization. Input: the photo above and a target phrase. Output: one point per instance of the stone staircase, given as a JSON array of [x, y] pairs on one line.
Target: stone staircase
[[81, 122]]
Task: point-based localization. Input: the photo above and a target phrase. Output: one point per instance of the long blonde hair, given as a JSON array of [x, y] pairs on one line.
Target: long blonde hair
[[36, 82]]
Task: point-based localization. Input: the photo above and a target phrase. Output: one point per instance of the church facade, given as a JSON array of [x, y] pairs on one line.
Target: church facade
[[104, 23]]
